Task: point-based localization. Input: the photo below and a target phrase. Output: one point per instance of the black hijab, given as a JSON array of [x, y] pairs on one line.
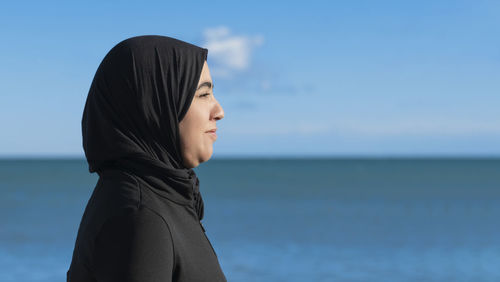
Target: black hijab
[[140, 92]]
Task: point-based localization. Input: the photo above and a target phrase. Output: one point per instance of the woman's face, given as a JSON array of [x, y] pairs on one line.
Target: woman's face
[[205, 110]]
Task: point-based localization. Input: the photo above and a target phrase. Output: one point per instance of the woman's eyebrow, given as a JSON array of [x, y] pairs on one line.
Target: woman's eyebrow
[[207, 84]]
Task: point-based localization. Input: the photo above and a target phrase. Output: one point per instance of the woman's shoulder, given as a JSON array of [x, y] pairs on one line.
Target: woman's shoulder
[[114, 192], [134, 242]]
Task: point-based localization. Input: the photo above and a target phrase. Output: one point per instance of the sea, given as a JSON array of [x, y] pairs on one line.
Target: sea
[[290, 219]]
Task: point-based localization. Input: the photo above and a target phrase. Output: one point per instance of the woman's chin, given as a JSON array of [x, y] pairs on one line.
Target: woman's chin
[[195, 161], [207, 156]]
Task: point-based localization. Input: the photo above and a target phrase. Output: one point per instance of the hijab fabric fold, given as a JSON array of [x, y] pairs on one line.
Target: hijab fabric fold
[[140, 92]]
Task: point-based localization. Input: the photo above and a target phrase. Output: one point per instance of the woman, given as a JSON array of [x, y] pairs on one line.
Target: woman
[[150, 117]]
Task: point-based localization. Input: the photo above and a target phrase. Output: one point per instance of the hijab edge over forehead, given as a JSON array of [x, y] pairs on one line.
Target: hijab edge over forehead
[[192, 91]]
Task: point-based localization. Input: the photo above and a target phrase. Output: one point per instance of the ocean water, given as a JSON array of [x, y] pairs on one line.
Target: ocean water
[[286, 220]]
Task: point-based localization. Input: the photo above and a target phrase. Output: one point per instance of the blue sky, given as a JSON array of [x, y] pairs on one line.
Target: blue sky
[[323, 78]]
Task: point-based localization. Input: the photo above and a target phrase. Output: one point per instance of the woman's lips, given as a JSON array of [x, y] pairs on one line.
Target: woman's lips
[[212, 134]]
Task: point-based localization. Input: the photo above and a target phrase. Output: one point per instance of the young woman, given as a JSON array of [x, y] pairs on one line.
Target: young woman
[[150, 117]]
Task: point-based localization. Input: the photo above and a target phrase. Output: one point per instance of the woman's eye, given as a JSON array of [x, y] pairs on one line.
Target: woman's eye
[[203, 95]]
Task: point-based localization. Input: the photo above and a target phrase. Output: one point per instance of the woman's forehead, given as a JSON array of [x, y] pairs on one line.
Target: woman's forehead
[[205, 78]]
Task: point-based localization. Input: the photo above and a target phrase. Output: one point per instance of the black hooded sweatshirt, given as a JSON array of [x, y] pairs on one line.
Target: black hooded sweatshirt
[[143, 220]]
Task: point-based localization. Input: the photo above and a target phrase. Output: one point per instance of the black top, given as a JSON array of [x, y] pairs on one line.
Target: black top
[[142, 222], [130, 233]]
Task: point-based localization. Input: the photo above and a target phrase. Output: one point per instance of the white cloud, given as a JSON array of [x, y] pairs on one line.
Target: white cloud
[[229, 53]]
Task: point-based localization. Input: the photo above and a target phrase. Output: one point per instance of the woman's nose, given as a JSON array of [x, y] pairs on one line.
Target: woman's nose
[[219, 112]]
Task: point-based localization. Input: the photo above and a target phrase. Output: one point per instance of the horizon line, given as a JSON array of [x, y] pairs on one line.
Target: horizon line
[[283, 156]]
